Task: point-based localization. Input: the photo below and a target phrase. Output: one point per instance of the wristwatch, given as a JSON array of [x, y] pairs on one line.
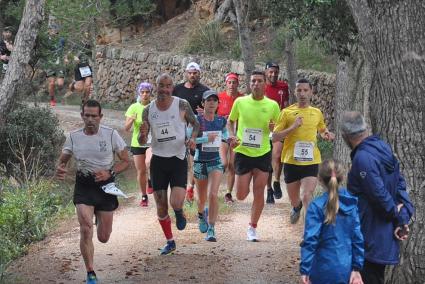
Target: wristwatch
[[113, 174]]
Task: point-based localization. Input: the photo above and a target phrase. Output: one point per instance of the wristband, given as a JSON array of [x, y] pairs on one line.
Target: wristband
[[113, 174]]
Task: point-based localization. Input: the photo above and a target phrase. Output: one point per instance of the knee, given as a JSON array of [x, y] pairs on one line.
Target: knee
[[86, 231], [161, 212], [103, 237]]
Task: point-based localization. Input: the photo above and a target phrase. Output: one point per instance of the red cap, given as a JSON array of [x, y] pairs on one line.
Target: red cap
[[232, 76]]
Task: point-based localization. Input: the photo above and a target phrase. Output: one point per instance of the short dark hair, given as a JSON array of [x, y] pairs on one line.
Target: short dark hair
[[304, 81], [91, 103], [258, 72]]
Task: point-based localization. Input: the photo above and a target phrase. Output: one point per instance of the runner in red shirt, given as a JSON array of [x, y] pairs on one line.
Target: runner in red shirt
[[278, 91], [226, 99]]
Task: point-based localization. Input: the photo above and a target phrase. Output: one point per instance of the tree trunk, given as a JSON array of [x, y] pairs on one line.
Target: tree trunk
[[23, 46], [242, 8], [393, 35], [291, 67], [342, 103]]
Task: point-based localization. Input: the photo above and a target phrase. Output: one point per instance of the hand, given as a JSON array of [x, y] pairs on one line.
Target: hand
[[199, 110], [401, 233], [399, 207], [328, 136], [191, 144], [102, 175], [211, 137], [355, 278], [298, 122], [61, 172], [305, 279], [233, 142], [3, 57]]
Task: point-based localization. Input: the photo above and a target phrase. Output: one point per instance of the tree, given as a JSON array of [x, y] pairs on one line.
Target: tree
[[393, 37], [21, 55], [242, 16]]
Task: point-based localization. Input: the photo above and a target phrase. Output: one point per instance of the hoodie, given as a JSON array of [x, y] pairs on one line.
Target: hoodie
[[330, 252], [376, 181]]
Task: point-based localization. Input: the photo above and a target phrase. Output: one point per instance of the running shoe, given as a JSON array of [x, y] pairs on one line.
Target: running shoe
[[149, 189], [228, 198], [211, 234], [52, 103], [270, 198], [180, 220], [277, 190], [203, 221], [295, 214], [168, 248], [189, 194], [144, 201], [251, 234], [91, 278]]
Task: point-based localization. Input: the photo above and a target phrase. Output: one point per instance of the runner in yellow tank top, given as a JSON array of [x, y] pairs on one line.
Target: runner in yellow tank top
[[299, 125]]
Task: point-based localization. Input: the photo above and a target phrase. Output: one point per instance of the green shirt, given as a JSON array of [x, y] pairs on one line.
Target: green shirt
[[254, 117], [136, 110]]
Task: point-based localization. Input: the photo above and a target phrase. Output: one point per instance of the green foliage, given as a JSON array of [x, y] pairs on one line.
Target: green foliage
[[326, 148], [328, 20], [26, 214], [30, 142], [126, 12], [205, 38], [11, 12]]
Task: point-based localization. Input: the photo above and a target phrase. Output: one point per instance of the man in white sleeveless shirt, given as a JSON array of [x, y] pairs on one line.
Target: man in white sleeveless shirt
[[94, 147], [166, 118]]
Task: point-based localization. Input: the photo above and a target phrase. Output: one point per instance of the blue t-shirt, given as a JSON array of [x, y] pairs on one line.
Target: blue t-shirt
[[207, 151]]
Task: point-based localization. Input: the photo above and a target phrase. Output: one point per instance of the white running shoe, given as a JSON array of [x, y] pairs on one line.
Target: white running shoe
[[111, 188], [251, 234]]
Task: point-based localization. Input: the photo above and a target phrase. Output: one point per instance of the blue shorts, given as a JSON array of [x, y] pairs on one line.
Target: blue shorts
[[201, 169]]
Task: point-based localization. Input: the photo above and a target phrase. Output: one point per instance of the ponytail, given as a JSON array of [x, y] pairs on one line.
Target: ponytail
[[331, 175]]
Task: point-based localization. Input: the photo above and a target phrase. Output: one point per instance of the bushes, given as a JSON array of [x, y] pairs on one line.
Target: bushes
[[30, 143], [206, 38], [26, 213]]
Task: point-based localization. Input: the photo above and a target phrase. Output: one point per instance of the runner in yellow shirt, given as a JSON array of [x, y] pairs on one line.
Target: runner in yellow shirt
[[299, 125], [253, 113]]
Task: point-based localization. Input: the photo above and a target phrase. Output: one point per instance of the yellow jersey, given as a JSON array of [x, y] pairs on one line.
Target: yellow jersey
[[300, 146]]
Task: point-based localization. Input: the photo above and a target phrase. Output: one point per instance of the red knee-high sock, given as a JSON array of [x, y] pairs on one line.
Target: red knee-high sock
[[166, 227]]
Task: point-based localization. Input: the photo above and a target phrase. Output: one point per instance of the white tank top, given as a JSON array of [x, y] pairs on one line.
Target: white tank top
[[168, 130]]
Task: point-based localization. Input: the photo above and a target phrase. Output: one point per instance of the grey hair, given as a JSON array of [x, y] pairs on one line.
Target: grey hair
[[163, 76], [353, 123]]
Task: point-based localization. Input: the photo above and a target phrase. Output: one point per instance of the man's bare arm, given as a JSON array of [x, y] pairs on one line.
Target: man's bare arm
[[190, 117], [144, 127], [61, 168]]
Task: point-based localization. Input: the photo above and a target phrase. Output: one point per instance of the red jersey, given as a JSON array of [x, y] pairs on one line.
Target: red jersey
[[279, 93], [225, 103]]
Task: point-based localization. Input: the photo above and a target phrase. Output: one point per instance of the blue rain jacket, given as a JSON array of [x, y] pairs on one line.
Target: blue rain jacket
[[376, 181], [330, 252]]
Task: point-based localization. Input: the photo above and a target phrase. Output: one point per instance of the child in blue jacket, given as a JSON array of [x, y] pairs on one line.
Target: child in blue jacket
[[332, 250]]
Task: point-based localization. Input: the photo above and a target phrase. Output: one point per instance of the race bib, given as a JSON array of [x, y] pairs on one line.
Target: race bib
[[303, 151], [213, 146], [252, 137], [165, 132], [85, 71]]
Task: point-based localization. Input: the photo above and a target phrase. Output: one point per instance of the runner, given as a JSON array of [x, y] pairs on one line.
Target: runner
[[191, 90], [276, 90], [299, 125], [141, 153], [208, 167], [94, 148], [168, 116], [226, 99], [253, 114]]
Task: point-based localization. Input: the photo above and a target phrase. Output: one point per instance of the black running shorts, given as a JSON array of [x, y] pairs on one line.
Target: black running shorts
[[89, 192], [294, 173], [245, 164], [138, 150], [168, 171]]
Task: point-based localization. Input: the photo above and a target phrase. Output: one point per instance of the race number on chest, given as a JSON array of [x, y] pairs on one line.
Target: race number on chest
[[303, 151], [252, 137], [165, 132]]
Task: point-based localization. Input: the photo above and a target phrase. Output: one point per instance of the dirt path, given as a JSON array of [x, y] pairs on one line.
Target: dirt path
[[131, 255]]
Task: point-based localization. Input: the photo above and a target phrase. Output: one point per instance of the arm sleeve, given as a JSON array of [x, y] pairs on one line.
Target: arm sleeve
[[357, 245], [130, 111], [200, 140], [373, 186], [68, 145], [118, 144], [312, 229]]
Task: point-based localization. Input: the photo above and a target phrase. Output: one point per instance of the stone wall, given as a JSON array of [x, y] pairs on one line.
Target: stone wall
[[119, 70]]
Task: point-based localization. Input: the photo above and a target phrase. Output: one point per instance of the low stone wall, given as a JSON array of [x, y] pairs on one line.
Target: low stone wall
[[119, 70]]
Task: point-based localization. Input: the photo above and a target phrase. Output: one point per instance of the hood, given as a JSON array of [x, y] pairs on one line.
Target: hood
[[378, 148], [347, 202]]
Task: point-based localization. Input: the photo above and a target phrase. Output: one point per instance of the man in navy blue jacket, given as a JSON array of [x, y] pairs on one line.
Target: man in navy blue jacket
[[384, 205]]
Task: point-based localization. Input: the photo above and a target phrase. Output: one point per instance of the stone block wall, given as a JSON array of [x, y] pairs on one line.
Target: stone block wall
[[119, 70]]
